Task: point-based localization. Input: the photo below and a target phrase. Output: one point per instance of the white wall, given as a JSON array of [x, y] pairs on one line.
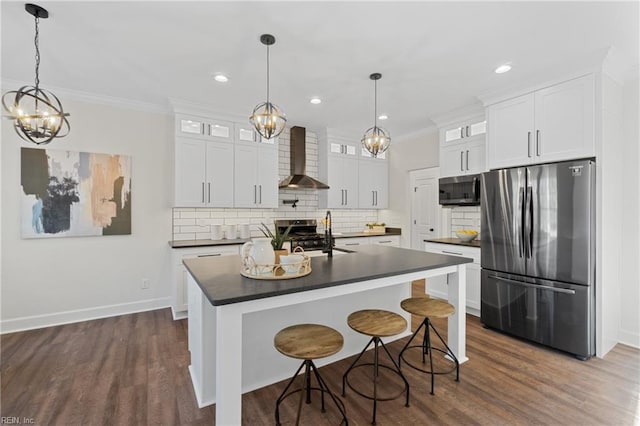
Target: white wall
[[57, 280], [630, 260], [419, 151]]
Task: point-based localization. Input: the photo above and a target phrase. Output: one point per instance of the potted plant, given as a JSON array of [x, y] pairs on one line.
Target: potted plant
[[277, 239]]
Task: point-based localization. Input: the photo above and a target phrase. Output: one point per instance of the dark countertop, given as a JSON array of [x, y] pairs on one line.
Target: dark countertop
[[239, 241], [221, 282], [455, 241], [205, 243]]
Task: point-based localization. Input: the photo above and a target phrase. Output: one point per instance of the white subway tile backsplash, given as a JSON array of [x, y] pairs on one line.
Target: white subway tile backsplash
[[188, 214], [178, 222]]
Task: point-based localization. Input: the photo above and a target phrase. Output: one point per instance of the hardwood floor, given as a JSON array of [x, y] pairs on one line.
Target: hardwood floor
[[132, 370]]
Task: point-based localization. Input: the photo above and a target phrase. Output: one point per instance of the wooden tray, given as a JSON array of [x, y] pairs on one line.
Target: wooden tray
[[248, 269], [278, 275]]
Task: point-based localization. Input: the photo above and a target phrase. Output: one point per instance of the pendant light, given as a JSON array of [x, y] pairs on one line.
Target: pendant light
[[267, 118], [376, 140], [37, 113]]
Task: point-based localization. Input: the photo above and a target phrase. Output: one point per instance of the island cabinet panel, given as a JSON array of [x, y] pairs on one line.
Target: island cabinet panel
[[552, 124], [438, 286]]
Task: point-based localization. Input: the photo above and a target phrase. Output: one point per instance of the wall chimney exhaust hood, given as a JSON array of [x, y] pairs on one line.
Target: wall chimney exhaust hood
[[298, 178]]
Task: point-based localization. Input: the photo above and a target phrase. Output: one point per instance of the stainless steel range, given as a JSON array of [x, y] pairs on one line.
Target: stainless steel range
[[303, 233]]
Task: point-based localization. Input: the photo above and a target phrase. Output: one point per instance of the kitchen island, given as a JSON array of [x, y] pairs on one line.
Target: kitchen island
[[232, 319]]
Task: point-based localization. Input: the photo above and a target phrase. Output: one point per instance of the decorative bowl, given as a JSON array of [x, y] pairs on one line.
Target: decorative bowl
[[466, 236]]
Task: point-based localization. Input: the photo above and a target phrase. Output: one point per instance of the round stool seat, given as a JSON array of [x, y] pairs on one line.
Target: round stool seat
[[377, 322], [427, 307], [308, 341]]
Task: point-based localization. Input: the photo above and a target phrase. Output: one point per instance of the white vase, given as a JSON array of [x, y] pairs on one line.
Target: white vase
[[261, 254]]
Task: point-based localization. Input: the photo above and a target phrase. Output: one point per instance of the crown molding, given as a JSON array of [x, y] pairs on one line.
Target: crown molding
[[78, 95], [464, 113]]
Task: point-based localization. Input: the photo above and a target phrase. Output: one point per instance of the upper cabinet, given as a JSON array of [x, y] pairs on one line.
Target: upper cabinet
[[373, 184], [223, 164], [463, 148], [551, 124]]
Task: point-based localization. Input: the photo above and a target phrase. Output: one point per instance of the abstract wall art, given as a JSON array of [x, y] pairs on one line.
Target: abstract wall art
[[69, 194]]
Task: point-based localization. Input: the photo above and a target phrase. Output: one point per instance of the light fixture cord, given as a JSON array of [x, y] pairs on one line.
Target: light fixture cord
[[267, 73], [36, 41], [375, 103]]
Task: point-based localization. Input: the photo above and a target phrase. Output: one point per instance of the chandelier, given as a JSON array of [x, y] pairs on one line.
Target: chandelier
[[376, 140], [37, 113], [267, 118]]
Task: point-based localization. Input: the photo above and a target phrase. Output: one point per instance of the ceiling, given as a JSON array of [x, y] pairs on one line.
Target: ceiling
[[434, 56]]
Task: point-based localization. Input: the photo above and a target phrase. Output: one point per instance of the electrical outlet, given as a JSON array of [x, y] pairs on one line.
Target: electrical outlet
[[145, 283]]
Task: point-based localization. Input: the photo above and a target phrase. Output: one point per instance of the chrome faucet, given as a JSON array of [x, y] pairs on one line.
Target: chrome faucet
[[328, 237]]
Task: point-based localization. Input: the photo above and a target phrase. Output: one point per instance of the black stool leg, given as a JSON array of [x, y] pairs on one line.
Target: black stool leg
[[322, 388], [375, 378], [397, 366], [325, 388], [415, 333], [430, 354], [307, 381], [281, 397], [449, 352], [344, 377]]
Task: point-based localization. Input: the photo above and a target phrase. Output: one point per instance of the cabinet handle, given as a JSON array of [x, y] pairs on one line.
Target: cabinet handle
[[467, 131], [376, 197], [209, 191], [467, 159], [346, 197], [461, 161], [452, 252], [538, 143], [255, 196], [203, 192], [260, 188], [352, 244], [210, 255], [384, 242], [529, 144]]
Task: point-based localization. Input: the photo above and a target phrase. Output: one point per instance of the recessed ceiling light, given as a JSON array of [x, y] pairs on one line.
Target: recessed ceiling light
[[221, 78], [383, 117], [503, 68], [315, 101]]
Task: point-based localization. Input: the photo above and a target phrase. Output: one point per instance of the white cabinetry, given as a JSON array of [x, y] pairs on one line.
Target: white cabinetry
[[437, 286], [373, 184], [256, 175], [203, 172], [463, 148], [551, 124], [342, 178], [354, 242], [179, 304]]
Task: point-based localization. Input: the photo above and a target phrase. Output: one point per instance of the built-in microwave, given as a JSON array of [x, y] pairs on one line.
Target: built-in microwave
[[460, 190]]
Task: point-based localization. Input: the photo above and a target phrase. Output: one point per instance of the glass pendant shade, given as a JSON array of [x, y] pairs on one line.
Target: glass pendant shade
[[268, 120], [37, 114], [376, 140]]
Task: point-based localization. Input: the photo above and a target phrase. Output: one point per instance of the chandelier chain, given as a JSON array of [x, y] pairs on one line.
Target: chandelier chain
[[375, 103], [36, 40], [267, 73]]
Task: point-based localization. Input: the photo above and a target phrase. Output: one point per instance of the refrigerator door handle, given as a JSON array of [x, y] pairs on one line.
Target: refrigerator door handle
[[530, 225], [521, 221], [526, 228], [541, 287]]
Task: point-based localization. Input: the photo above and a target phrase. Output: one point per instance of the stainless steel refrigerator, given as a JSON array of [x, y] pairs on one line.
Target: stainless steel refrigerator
[[538, 254]]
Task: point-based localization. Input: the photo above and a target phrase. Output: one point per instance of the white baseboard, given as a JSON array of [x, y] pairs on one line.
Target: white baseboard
[[67, 317], [629, 338]]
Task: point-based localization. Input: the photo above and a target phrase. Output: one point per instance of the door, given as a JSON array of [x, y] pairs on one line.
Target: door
[[246, 175], [510, 132], [219, 190], [502, 194], [554, 314], [559, 215], [564, 121], [190, 173], [425, 209]]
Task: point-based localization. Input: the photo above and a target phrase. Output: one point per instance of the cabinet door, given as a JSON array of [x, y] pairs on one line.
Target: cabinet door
[[382, 184], [219, 188], [267, 177], [245, 175], [511, 132], [220, 130], [452, 160], [350, 182], [475, 157], [367, 185], [335, 193], [190, 170], [564, 121]]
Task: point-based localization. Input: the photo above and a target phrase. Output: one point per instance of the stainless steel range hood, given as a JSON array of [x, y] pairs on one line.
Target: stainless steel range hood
[[298, 178]]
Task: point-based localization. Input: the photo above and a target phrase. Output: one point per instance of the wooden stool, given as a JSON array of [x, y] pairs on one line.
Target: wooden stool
[[308, 342], [376, 323], [429, 308]]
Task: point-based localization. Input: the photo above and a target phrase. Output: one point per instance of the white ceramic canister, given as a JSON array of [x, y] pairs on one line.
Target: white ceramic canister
[[216, 232], [231, 233], [244, 230], [261, 252]]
